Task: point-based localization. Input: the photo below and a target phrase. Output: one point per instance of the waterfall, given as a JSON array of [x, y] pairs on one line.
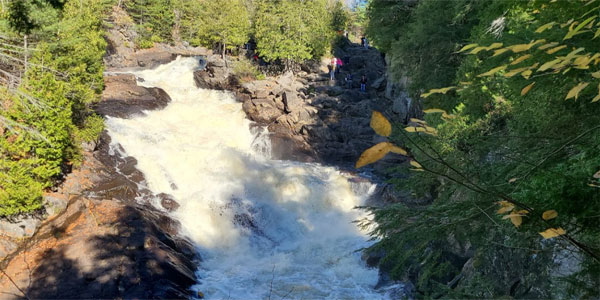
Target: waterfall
[[264, 228]]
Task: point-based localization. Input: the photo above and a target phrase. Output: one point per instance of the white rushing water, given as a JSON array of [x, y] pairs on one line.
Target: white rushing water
[[265, 229]]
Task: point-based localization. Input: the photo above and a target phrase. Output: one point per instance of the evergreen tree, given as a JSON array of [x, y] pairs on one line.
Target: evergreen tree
[[154, 19], [225, 23], [292, 31]]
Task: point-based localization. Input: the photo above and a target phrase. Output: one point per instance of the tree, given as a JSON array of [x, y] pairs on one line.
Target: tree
[[292, 31], [154, 19], [340, 16], [225, 23], [510, 168]]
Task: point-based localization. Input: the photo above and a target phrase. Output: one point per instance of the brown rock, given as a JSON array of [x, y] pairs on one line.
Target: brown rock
[[122, 97]]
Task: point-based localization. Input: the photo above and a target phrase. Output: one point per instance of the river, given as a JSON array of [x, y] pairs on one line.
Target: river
[[265, 229]]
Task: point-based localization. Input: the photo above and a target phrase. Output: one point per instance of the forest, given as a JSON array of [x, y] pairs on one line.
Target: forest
[[507, 152], [505, 155]]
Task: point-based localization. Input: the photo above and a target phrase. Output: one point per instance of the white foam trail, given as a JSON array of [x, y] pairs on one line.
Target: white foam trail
[[265, 228]]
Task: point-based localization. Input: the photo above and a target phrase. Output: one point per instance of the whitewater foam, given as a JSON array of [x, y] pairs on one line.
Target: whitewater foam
[[264, 228]]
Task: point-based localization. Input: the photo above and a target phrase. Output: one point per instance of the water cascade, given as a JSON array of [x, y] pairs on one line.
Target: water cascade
[[264, 228]]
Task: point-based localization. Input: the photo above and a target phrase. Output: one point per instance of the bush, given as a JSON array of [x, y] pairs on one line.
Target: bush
[[246, 71]]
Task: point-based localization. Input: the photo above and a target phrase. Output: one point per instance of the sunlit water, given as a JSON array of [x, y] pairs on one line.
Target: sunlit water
[[264, 228]]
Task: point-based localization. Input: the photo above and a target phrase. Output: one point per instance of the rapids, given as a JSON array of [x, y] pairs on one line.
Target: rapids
[[266, 229]]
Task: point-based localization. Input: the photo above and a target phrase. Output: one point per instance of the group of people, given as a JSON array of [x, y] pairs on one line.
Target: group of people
[[334, 68], [363, 82]]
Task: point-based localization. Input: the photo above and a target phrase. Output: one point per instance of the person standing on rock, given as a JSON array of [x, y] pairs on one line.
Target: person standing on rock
[[338, 65], [363, 83], [348, 80], [362, 41], [331, 72]]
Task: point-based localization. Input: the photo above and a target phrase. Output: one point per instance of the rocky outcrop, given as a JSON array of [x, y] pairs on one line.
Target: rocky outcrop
[[122, 54], [105, 243], [311, 118], [123, 97]]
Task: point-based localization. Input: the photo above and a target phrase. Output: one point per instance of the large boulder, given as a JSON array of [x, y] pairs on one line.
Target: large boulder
[[262, 111], [291, 101], [122, 97]]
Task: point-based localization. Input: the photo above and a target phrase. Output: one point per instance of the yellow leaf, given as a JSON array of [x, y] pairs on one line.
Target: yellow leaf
[[467, 47], [494, 46], [373, 154], [526, 89], [512, 180], [597, 175], [552, 232], [522, 212], [549, 214], [398, 150], [430, 130], [520, 59], [411, 129], [447, 116], [596, 74], [505, 209], [546, 46], [563, 25], [597, 96], [548, 65], [556, 49], [493, 71], [416, 164], [582, 62], [574, 92], [526, 74], [520, 48], [434, 110], [544, 27], [516, 219], [597, 34], [500, 51], [437, 91], [380, 124], [514, 72], [573, 32], [477, 50], [417, 121]]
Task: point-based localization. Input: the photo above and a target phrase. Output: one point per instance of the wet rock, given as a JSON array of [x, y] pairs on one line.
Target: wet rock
[[168, 202], [122, 97], [153, 57]]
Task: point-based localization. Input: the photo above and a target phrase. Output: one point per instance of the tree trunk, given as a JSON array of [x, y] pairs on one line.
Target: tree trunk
[[25, 52]]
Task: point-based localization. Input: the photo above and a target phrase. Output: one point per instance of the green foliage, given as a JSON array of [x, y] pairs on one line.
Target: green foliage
[[340, 16], [222, 22], [292, 31], [246, 71], [536, 149], [43, 122], [25, 16], [154, 20]]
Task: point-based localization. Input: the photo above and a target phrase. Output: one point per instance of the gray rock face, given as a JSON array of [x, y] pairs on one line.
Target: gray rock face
[[54, 205], [23, 227], [291, 101]]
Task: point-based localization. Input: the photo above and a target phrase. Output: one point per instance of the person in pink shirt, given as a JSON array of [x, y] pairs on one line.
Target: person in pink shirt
[[339, 65]]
